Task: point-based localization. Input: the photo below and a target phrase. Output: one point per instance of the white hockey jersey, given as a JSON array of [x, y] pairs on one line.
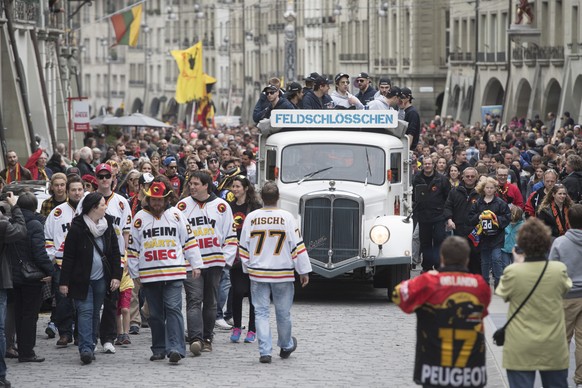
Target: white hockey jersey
[[160, 248], [56, 228], [271, 248], [213, 226]]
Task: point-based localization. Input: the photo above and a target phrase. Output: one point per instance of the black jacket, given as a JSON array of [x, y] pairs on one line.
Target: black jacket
[[412, 117], [311, 101], [283, 103], [262, 104], [457, 208], [78, 257], [84, 168], [573, 183], [30, 249], [10, 230], [431, 208], [367, 96], [501, 210]]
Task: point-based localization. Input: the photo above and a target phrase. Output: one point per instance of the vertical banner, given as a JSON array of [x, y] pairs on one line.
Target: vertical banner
[[81, 116]]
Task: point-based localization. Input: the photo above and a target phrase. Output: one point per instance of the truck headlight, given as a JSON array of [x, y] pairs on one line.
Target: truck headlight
[[379, 234]]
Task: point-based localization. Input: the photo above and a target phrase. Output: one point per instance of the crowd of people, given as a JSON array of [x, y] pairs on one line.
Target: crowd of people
[[135, 198], [127, 228]]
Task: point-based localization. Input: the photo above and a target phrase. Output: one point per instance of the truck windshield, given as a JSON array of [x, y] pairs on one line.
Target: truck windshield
[[342, 162]]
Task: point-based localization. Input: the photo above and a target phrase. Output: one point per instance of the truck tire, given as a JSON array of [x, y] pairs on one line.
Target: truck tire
[[397, 274]]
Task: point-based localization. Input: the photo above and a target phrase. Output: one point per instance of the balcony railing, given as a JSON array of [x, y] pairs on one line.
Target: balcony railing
[[533, 53], [26, 11], [362, 57]]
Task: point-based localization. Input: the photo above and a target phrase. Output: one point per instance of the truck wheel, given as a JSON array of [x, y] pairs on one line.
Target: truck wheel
[[397, 274]]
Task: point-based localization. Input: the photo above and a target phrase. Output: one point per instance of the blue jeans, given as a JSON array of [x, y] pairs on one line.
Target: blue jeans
[[222, 295], [88, 315], [526, 378], [431, 236], [3, 300], [507, 259], [491, 260], [166, 319], [201, 303], [283, 300]]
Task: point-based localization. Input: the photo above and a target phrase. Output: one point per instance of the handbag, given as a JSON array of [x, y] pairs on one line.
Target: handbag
[[31, 271], [106, 266], [499, 335]]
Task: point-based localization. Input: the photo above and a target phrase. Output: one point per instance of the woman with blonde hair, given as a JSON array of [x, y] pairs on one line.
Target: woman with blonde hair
[[490, 215], [553, 210]]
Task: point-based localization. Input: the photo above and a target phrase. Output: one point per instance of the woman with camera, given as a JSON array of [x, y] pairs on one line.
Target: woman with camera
[[535, 339]]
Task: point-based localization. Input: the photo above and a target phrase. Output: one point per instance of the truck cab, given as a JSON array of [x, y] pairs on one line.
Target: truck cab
[[345, 176]]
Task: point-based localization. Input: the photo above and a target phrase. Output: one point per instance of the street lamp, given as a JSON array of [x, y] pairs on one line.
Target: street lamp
[[146, 56], [383, 9]]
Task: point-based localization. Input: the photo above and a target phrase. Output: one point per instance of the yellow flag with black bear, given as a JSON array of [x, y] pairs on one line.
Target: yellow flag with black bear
[[190, 85]]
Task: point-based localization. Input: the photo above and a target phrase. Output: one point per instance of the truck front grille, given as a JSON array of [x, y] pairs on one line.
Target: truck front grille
[[331, 224]]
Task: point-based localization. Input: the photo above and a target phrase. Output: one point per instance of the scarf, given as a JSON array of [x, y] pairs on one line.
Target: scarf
[[475, 235], [558, 218], [16, 174], [96, 229]]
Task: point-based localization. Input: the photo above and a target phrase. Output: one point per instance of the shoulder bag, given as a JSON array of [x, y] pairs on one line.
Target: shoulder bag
[[30, 271], [106, 266], [499, 335]]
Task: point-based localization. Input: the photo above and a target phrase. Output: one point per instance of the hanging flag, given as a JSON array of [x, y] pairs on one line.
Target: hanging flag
[[190, 84], [126, 25], [205, 112]]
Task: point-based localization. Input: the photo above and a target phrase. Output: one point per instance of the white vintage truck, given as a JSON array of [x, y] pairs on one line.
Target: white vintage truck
[[345, 175]]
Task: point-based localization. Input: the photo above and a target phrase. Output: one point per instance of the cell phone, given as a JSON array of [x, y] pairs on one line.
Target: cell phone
[[518, 250]]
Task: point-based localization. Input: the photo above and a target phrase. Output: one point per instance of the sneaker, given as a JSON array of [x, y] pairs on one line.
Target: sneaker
[[5, 383], [251, 337], [235, 336], [51, 330], [230, 321], [174, 357], [86, 357], [157, 357], [286, 353], [119, 340], [134, 330], [63, 341], [222, 324], [125, 339], [196, 347], [108, 348], [207, 345], [265, 359]]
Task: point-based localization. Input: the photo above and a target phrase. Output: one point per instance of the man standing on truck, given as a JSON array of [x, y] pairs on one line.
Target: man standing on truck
[[411, 116], [450, 306]]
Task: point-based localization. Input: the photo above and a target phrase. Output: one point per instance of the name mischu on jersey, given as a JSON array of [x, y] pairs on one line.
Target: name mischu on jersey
[[268, 221]]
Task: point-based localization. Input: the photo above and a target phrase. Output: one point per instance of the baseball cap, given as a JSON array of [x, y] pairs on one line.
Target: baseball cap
[[394, 92], [340, 76], [384, 81], [322, 81], [102, 167], [363, 75], [406, 93], [294, 87], [270, 88], [212, 157], [168, 160], [311, 77]]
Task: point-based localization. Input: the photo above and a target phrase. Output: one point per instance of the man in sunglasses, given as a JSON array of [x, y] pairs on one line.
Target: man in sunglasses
[[367, 92], [341, 97], [264, 103], [171, 172], [276, 101]]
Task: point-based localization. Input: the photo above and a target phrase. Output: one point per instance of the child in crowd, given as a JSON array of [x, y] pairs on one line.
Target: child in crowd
[[511, 234], [123, 304]]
